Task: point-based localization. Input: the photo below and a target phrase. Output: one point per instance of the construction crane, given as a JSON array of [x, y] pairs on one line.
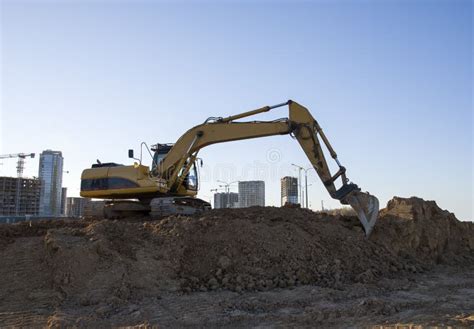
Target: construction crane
[[20, 166]]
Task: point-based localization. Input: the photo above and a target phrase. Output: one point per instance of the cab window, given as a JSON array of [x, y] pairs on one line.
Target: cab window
[[191, 180], [157, 158]]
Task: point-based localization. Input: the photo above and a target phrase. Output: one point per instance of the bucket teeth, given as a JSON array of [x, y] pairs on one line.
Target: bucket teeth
[[367, 208]]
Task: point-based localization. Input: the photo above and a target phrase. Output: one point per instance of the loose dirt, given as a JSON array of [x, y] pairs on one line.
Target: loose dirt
[[241, 267]]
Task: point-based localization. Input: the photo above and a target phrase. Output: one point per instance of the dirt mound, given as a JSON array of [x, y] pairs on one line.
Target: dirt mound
[[424, 231], [263, 248], [108, 263]]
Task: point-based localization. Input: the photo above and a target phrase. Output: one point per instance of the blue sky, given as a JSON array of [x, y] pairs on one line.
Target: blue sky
[[390, 82]]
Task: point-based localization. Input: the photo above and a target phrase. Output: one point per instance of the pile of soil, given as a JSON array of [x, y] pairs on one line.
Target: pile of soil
[[421, 230], [107, 263], [263, 248]]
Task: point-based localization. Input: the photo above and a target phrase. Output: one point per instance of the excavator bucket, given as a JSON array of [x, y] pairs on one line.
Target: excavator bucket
[[367, 208]]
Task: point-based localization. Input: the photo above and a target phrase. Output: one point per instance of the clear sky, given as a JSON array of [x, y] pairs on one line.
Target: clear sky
[[390, 82]]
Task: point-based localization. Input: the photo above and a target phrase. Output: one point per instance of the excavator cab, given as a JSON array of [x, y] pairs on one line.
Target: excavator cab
[[160, 152], [190, 182]]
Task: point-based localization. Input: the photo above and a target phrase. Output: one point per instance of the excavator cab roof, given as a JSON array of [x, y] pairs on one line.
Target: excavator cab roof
[[162, 148]]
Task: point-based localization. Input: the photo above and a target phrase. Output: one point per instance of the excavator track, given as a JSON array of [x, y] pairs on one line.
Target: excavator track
[[157, 209], [115, 209], [162, 207]]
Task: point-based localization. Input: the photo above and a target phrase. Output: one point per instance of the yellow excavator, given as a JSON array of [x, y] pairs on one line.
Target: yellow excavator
[[171, 184]]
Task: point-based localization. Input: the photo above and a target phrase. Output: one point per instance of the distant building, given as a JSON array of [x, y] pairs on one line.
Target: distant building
[[63, 201], [29, 196], [51, 176], [251, 193], [289, 190], [226, 200], [75, 206]]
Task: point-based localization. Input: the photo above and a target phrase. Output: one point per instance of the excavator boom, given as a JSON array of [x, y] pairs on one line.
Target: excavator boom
[[300, 123]]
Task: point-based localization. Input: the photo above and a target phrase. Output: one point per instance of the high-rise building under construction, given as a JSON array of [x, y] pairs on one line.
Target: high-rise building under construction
[[289, 190], [24, 202], [251, 193], [226, 200]]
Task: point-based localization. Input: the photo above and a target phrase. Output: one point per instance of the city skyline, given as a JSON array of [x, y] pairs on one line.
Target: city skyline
[[394, 99]]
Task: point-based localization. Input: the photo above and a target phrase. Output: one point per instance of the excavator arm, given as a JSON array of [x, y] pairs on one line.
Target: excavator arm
[[300, 124]]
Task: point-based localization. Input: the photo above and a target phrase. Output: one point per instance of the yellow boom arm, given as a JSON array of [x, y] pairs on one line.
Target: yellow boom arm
[[300, 123]]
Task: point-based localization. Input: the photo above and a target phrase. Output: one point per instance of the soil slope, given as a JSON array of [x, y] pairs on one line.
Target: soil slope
[[50, 268]]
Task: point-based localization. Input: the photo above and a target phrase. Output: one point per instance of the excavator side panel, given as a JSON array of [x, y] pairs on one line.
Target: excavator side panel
[[119, 182]]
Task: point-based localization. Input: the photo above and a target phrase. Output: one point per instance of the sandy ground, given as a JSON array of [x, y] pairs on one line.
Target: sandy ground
[[441, 297], [255, 267]]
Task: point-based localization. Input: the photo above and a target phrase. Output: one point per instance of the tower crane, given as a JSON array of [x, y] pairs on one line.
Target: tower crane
[[20, 166]]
